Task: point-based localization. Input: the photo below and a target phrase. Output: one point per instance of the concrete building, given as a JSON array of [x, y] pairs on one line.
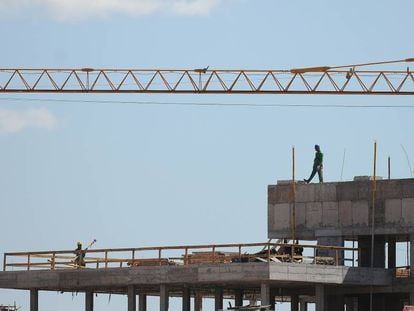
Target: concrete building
[[329, 213]]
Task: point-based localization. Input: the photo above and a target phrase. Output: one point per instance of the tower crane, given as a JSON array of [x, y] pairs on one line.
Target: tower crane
[[355, 79]]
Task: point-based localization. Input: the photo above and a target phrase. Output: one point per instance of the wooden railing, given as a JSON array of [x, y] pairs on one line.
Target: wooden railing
[[181, 255]]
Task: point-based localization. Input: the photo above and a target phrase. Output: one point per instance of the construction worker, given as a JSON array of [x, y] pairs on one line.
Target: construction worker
[[317, 165], [80, 256], [298, 251]]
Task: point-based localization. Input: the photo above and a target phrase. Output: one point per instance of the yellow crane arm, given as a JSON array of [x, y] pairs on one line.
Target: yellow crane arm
[[340, 80]]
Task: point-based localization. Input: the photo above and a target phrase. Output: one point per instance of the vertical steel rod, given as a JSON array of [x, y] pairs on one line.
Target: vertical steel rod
[[389, 167], [374, 189], [293, 196]]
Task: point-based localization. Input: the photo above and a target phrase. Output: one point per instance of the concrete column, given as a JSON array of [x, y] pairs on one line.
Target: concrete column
[[303, 306], [265, 293], [34, 300], [198, 302], [132, 298], [273, 294], [351, 303], [89, 301], [379, 251], [363, 302], [186, 299], [238, 298], [391, 252], [364, 243], [218, 298], [164, 297], [294, 303], [142, 306], [335, 302], [412, 255], [320, 298], [411, 298]]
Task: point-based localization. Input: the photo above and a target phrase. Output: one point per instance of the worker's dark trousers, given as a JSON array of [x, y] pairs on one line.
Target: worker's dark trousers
[[316, 168]]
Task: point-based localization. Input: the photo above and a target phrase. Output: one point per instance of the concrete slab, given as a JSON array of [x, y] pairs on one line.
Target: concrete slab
[[213, 274]]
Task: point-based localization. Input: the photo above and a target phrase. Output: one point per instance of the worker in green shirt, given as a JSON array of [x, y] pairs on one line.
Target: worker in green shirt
[[317, 165]]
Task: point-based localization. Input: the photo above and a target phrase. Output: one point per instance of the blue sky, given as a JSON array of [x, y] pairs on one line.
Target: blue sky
[[134, 175]]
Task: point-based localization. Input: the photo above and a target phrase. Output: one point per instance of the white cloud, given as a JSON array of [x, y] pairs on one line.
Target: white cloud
[[194, 7], [12, 121], [81, 9]]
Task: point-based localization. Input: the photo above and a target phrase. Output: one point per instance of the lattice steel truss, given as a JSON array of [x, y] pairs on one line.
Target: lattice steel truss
[[319, 80]]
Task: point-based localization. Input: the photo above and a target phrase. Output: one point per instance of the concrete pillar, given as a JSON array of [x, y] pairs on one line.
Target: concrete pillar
[[164, 297], [294, 303], [218, 298], [335, 302], [34, 300], [198, 302], [238, 298], [412, 255], [320, 298], [303, 306], [391, 252], [364, 243], [132, 298], [142, 305], [363, 302], [273, 294], [379, 302], [351, 303], [379, 251], [265, 294], [89, 301], [186, 299], [411, 298]]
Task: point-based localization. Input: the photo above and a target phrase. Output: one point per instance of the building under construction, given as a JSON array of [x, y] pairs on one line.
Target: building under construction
[[369, 218]]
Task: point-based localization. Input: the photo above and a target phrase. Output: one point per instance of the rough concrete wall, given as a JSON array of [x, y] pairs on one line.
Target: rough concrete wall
[[341, 209]]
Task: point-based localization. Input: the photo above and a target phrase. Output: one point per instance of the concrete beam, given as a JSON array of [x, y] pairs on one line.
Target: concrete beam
[[218, 298], [164, 298], [132, 298], [142, 302], [88, 301], [265, 293], [320, 298], [34, 300]]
